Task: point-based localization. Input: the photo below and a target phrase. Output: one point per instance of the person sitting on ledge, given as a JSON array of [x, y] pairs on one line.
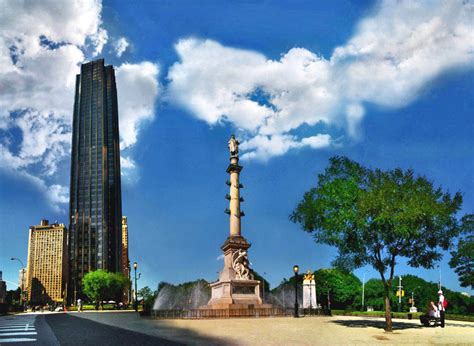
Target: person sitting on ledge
[[432, 310]]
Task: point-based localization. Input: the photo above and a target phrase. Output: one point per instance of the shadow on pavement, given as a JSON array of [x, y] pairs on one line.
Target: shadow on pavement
[[376, 324], [459, 325], [74, 330]]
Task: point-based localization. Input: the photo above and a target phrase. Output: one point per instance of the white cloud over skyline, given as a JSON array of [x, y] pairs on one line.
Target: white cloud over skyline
[[137, 89], [395, 52], [121, 46], [42, 45]]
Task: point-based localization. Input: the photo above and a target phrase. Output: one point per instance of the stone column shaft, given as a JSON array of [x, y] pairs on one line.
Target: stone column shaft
[[234, 204]]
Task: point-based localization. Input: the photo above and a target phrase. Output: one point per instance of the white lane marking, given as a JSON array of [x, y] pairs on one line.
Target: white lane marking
[[16, 322], [17, 330], [4, 341], [18, 333]]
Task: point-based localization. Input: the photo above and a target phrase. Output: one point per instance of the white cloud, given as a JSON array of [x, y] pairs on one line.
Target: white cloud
[[127, 162], [403, 46], [394, 53], [55, 194], [42, 45], [121, 46], [99, 39], [263, 147], [137, 88]]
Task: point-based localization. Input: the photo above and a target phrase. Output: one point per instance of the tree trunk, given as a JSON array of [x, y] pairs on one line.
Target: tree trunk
[[388, 310]]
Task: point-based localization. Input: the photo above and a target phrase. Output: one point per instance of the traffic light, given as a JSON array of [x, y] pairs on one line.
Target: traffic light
[[398, 293]]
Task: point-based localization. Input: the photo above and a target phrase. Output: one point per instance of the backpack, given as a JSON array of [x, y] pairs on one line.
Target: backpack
[[445, 303]]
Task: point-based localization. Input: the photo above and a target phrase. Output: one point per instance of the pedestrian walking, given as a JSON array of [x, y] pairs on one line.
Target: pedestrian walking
[[79, 305]]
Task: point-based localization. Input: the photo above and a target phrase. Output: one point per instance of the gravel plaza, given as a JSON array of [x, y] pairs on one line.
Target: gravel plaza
[[335, 330]]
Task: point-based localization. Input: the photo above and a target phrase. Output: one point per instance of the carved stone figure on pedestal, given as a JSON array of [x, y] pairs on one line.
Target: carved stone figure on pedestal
[[236, 287], [240, 263]]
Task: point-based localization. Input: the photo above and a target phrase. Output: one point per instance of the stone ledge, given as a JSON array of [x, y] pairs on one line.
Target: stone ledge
[[235, 242]]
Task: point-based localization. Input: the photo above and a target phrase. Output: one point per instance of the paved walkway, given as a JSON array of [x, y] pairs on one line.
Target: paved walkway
[[334, 330]]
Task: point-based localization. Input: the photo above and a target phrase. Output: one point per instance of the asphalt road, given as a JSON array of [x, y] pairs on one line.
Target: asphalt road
[[66, 329], [18, 329]]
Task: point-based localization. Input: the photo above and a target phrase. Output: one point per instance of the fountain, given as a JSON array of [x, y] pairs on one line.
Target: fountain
[[182, 297]]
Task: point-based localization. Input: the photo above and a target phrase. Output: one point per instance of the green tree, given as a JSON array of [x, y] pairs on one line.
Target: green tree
[[148, 297], [462, 260], [146, 293], [117, 283], [342, 287], [374, 216], [101, 285], [373, 294], [13, 297]]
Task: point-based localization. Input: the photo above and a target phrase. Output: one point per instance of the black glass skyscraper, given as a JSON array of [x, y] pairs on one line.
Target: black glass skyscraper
[[95, 209]]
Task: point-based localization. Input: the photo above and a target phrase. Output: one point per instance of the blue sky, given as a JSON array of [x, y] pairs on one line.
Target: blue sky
[[386, 84]]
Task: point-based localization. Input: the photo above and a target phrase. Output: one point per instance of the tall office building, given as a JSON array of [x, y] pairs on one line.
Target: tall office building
[[95, 209], [125, 260], [47, 263]]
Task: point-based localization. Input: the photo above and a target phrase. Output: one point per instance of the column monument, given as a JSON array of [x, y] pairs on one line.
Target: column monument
[[236, 287]]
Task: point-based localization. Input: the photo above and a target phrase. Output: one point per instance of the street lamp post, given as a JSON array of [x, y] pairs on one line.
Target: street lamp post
[[135, 266], [22, 278], [295, 270], [439, 285], [399, 293]]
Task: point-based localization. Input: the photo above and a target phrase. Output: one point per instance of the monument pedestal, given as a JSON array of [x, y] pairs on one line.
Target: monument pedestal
[[235, 294], [236, 288]]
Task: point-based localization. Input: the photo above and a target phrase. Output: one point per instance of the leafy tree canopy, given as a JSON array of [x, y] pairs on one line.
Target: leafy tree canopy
[[462, 259], [102, 285], [374, 216], [373, 292], [343, 287], [146, 293]]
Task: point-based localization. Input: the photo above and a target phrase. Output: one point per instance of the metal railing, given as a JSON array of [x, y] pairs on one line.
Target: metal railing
[[233, 313]]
